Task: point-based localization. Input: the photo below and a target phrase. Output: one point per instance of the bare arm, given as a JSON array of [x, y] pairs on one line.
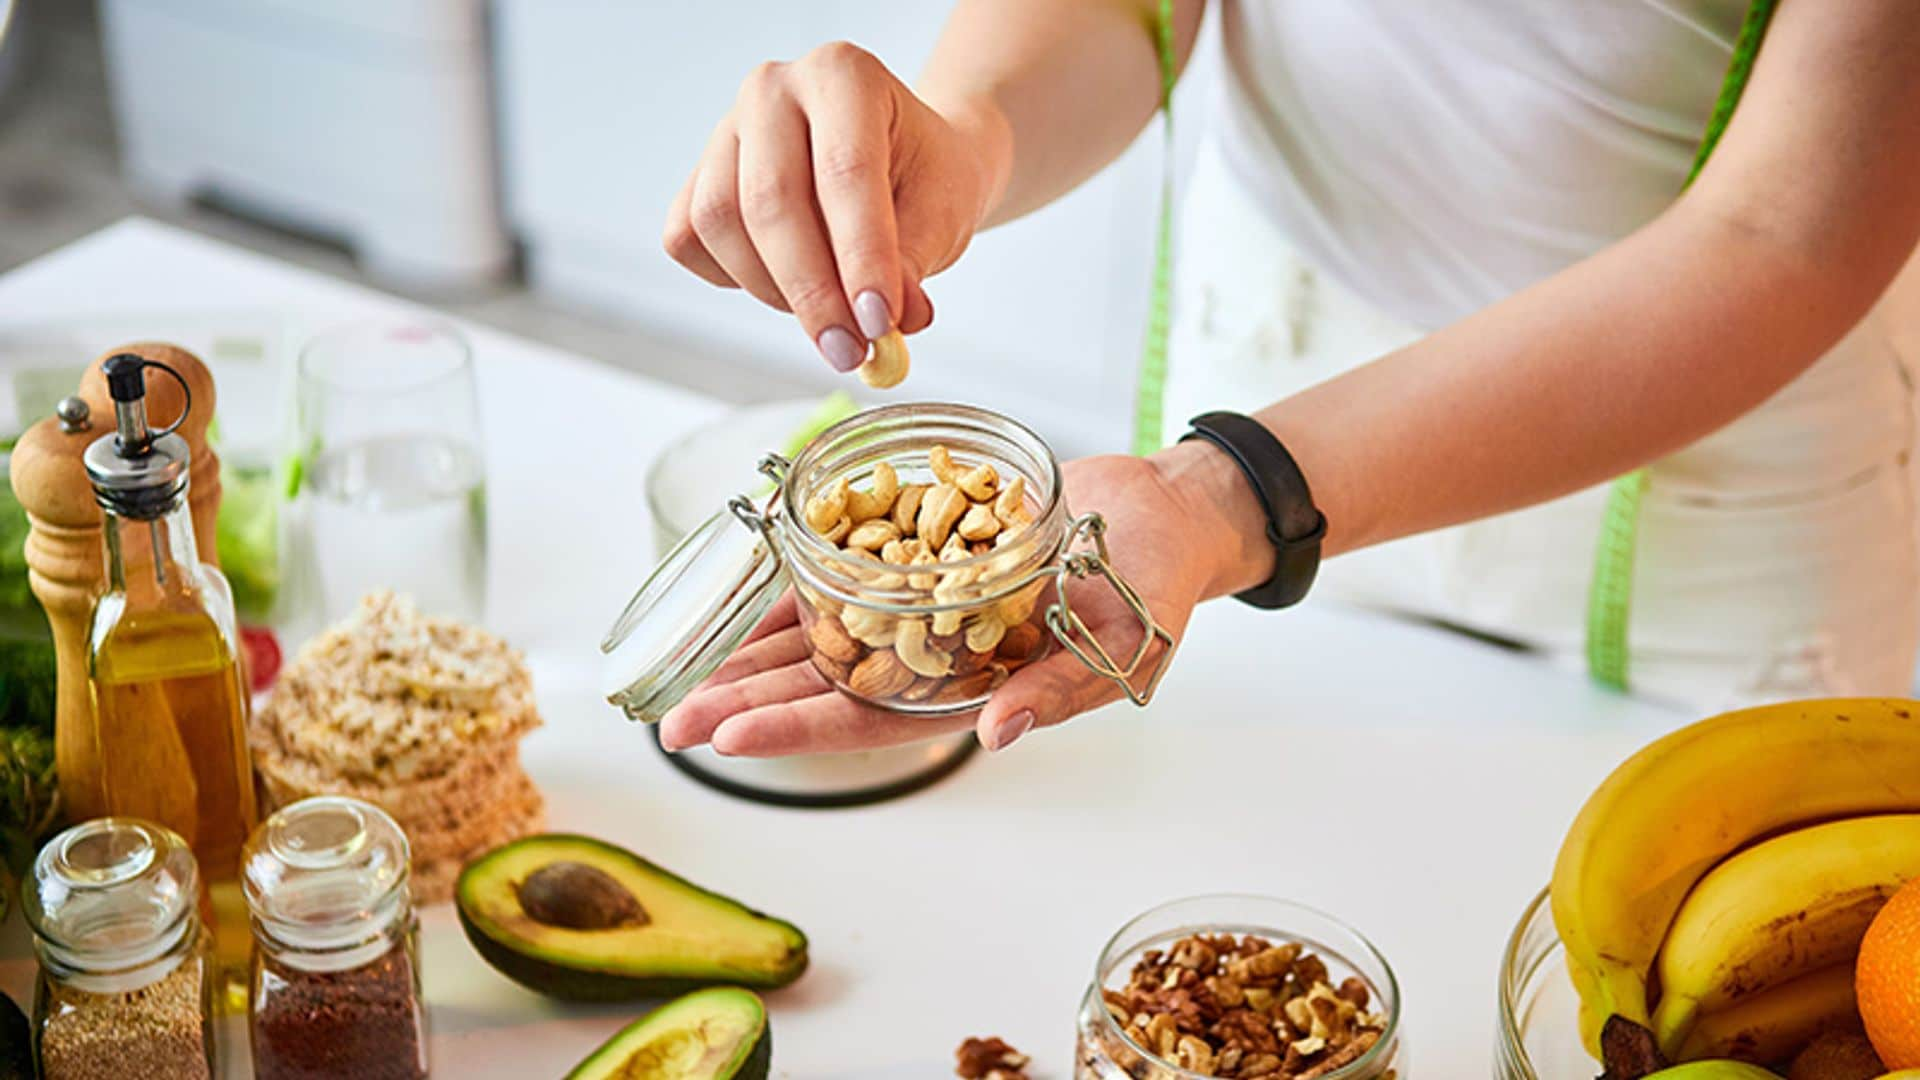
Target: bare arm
[[1801, 219], [1064, 87]]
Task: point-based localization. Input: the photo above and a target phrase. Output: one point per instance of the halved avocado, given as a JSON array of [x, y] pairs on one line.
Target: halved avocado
[[576, 918], [716, 1034]]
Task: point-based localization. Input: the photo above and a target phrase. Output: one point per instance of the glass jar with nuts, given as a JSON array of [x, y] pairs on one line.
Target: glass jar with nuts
[[928, 547], [1240, 987]]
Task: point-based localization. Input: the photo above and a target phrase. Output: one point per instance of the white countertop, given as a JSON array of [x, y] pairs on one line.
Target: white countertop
[[1414, 783]]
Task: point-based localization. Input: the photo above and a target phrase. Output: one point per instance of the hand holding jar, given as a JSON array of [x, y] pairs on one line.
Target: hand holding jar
[[770, 698]]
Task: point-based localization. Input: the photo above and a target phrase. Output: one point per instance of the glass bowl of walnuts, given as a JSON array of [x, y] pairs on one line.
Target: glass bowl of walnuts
[[1234, 986]]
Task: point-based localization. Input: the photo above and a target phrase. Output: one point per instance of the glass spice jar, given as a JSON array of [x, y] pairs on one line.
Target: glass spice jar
[[124, 990], [336, 976], [930, 639], [1106, 1051]]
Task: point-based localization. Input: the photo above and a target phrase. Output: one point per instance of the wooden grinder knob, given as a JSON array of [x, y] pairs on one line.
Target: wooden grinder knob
[[66, 561]]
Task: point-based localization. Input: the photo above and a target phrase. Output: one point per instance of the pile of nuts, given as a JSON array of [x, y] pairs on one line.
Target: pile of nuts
[[989, 1059], [975, 632], [1236, 1007]]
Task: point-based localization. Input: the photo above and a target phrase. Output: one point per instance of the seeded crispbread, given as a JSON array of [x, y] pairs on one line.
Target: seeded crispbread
[[419, 716]]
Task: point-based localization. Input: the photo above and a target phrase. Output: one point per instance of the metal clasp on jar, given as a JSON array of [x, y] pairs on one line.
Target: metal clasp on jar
[[1069, 629]]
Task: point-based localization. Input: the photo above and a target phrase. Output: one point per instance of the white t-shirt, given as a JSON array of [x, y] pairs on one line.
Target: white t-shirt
[[1435, 156]]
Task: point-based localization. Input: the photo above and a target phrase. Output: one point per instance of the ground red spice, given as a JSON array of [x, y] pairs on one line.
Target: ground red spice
[[365, 1022]]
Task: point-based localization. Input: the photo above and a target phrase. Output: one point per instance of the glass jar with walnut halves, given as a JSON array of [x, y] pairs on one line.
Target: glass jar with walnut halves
[[929, 547]]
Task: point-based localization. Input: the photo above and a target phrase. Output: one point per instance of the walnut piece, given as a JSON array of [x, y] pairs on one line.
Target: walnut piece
[[989, 1059]]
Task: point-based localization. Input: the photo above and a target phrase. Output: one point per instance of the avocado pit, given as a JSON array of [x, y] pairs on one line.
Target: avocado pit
[[576, 896]]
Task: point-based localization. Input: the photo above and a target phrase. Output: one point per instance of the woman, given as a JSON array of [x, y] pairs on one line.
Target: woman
[[1443, 249]]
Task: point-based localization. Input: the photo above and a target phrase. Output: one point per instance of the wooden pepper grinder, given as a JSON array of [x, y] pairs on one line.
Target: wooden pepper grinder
[[66, 563]]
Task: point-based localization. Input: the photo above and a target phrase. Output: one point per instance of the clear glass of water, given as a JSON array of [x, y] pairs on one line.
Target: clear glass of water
[[393, 487]]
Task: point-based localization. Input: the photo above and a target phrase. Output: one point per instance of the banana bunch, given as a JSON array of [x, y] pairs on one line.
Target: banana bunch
[[1716, 887]]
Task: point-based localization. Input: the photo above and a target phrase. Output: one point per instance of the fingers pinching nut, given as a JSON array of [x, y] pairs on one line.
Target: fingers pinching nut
[[887, 364]]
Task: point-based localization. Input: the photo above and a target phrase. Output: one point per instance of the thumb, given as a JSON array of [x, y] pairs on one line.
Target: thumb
[[1043, 694]]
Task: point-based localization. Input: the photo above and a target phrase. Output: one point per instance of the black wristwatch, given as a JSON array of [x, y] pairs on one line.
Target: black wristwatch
[[1294, 525]]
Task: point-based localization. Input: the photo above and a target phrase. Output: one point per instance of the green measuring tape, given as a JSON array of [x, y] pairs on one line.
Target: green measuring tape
[[1610, 595]]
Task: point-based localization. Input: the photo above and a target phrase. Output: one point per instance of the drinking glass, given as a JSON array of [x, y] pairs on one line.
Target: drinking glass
[[392, 490]]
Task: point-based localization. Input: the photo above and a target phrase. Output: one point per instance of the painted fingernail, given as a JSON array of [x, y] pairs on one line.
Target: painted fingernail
[[870, 311], [1009, 730], [844, 351]]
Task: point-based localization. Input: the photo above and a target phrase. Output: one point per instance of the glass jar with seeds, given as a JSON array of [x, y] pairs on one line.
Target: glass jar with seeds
[[336, 974], [123, 992]]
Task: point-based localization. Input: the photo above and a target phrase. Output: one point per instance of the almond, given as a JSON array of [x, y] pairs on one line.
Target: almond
[[831, 640], [881, 675]]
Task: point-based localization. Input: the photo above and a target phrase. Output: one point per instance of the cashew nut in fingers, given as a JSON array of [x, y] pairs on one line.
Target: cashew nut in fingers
[[985, 633], [864, 506], [907, 507], [980, 482], [979, 523], [873, 534], [825, 509], [939, 510], [910, 644], [887, 364]]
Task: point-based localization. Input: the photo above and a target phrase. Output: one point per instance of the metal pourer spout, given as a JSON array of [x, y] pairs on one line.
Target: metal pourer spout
[[127, 385]]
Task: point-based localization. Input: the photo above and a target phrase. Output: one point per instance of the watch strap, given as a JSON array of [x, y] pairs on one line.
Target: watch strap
[[1295, 526]]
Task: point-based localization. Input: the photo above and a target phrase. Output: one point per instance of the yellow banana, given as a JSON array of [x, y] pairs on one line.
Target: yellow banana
[[1775, 1025], [1679, 806], [1783, 908]]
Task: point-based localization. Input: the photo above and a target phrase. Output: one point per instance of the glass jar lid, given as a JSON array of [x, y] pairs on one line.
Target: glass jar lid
[[325, 873], [112, 894], [692, 612]]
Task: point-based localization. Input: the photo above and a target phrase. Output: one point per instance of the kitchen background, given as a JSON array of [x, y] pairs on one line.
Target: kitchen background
[[511, 162]]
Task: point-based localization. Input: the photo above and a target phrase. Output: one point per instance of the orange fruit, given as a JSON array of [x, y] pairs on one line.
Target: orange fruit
[[1887, 980]]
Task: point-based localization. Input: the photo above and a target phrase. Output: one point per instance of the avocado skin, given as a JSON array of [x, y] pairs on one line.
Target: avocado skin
[[16, 1042], [567, 983], [758, 1063]]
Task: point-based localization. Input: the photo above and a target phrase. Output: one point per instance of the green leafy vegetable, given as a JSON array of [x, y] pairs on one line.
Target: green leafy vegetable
[[247, 533]]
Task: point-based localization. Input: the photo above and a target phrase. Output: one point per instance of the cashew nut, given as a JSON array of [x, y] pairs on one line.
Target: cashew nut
[[870, 628], [910, 644], [955, 549], [985, 633], [824, 510], [979, 482], [863, 506], [887, 365], [907, 506], [1018, 608], [979, 523], [873, 534], [1011, 504], [940, 460], [939, 510], [839, 530], [879, 579], [923, 557]]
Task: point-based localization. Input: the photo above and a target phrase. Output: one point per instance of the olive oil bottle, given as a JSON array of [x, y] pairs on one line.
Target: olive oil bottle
[[169, 701]]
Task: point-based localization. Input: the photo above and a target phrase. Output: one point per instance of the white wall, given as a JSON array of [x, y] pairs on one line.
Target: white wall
[[605, 108]]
